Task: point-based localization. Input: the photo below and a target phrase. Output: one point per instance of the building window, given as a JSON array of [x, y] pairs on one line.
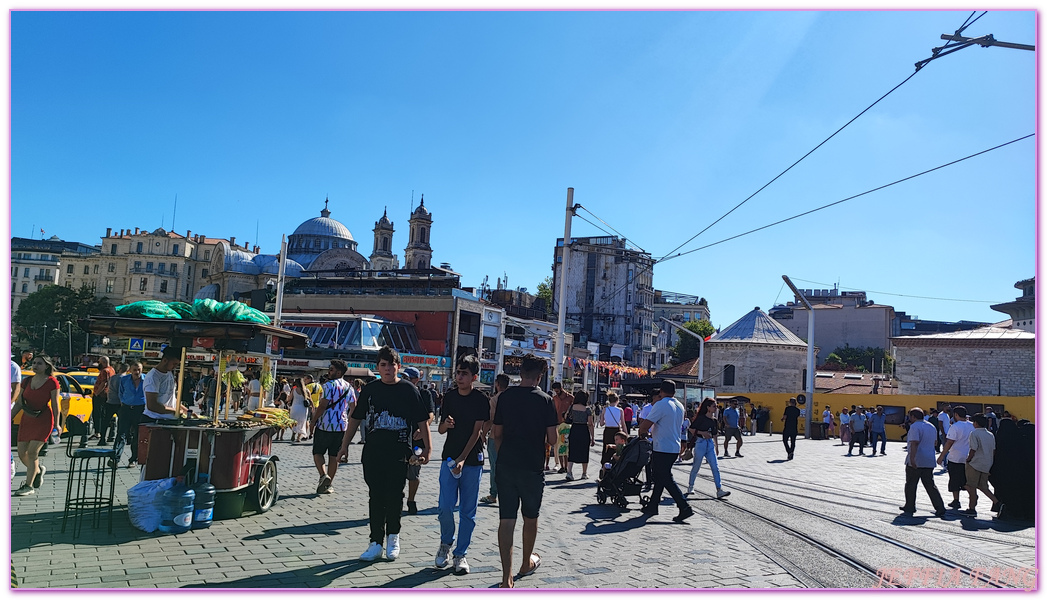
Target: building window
[[175, 249], [14, 273], [148, 267], [39, 287], [163, 286], [143, 283], [728, 375], [96, 270], [25, 288], [112, 249], [138, 265], [69, 270], [26, 272], [174, 268], [160, 267], [385, 244], [112, 267], [139, 247], [14, 286], [86, 269], [207, 255], [109, 286], [203, 272]]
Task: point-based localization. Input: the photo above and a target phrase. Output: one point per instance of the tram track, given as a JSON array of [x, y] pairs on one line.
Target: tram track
[[973, 574]]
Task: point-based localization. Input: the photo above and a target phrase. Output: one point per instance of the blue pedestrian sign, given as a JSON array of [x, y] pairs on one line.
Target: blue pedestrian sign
[[136, 344]]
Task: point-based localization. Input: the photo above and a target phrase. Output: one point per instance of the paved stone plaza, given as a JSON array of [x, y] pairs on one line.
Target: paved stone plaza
[[821, 520]]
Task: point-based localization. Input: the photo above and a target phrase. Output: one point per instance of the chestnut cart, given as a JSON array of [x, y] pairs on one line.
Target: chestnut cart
[[236, 455]]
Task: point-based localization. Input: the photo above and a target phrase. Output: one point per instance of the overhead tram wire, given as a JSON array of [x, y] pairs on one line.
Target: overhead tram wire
[[876, 189], [813, 210], [900, 295], [595, 216]]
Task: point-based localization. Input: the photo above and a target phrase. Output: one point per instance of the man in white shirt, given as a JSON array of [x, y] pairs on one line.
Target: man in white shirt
[[254, 387], [665, 419], [161, 403], [957, 447]]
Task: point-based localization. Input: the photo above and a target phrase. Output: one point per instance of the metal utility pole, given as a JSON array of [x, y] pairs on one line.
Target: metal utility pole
[[701, 348], [959, 42], [561, 317], [810, 356], [69, 325]]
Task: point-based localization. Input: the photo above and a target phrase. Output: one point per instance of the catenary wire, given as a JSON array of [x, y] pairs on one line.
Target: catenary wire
[[900, 295], [612, 228]]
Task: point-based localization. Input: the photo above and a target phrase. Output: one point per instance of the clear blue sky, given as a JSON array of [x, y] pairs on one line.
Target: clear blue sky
[[661, 121]]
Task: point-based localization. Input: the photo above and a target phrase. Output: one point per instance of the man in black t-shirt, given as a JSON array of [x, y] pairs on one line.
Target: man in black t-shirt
[[524, 422], [392, 408], [791, 418], [463, 417], [414, 470]]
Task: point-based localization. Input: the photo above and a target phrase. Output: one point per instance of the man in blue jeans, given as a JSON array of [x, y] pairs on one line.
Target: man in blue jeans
[[463, 418], [501, 383], [877, 430]]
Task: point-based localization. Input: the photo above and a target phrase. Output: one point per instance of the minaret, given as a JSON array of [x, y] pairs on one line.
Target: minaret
[[419, 254], [382, 257]]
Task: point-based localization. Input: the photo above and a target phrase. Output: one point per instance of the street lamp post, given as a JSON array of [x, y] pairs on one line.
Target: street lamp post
[[69, 324], [810, 356]]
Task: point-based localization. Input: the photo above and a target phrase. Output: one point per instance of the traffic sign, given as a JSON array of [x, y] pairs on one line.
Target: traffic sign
[[136, 344]]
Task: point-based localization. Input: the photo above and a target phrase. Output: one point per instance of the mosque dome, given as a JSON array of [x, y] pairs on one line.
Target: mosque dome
[[323, 226], [267, 263], [238, 261]]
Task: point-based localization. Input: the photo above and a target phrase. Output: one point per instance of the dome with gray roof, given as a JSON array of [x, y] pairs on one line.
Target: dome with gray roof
[[757, 328]]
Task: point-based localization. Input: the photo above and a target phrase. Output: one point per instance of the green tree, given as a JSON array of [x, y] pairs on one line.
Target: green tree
[[860, 359], [688, 347], [545, 293], [50, 309]]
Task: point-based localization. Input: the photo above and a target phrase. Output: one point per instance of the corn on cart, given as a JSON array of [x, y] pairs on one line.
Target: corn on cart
[[236, 453]]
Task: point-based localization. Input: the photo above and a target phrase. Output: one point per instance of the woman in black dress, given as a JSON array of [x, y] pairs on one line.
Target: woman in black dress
[[582, 435]]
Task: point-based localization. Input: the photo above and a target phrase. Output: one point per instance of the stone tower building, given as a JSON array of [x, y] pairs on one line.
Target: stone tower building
[[382, 257], [419, 254]]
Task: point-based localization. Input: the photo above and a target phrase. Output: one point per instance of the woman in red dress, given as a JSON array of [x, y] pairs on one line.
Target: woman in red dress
[[38, 399]]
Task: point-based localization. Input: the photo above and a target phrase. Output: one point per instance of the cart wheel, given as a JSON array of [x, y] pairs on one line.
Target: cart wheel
[[601, 497], [644, 501], [622, 502], [263, 493]]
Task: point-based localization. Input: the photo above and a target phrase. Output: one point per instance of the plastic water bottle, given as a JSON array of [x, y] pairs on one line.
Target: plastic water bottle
[[176, 508], [607, 465], [451, 463], [203, 505], [56, 436], [418, 450]]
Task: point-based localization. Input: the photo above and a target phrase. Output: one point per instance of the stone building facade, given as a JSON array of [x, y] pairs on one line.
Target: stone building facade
[[755, 354], [842, 319], [990, 361]]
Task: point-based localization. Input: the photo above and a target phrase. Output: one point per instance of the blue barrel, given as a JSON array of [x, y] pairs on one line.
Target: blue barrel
[[176, 508], [203, 506]]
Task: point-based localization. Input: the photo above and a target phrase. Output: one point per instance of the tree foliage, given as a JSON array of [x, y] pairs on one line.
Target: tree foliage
[[859, 359], [688, 347], [50, 308], [545, 293]]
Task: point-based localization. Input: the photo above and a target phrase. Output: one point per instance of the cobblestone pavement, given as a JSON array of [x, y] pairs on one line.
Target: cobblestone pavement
[[311, 541]]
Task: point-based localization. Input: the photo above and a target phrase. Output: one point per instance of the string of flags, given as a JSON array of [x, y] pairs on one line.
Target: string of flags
[[616, 369]]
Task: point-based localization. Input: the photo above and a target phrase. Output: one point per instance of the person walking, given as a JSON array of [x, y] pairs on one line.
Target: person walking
[[330, 421], [845, 426], [878, 429], [957, 447], [99, 400], [501, 383], [704, 429], [393, 410], [791, 417], [827, 419], [525, 421], [858, 431], [112, 404], [665, 419], [582, 435], [563, 401], [979, 462], [731, 418], [919, 464], [299, 412], [613, 421], [463, 418], [37, 398], [414, 470], [132, 405]]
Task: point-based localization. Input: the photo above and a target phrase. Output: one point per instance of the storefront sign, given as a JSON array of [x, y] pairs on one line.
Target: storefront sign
[[425, 360]]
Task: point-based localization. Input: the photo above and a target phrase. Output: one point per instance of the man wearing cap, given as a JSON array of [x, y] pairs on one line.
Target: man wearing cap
[[414, 470], [159, 387]]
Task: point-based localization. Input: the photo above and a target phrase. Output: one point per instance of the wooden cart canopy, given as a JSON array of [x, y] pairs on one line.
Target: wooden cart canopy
[[185, 331]]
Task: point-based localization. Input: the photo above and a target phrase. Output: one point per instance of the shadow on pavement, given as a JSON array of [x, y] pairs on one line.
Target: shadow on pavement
[[46, 529], [777, 461], [426, 575], [983, 523], [614, 526], [317, 529], [318, 576]]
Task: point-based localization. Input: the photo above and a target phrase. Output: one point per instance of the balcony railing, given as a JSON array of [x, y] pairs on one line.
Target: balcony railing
[[50, 278]]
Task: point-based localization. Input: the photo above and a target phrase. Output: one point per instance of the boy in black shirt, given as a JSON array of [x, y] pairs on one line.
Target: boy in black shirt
[[463, 416], [392, 408], [524, 422], [791, 418]]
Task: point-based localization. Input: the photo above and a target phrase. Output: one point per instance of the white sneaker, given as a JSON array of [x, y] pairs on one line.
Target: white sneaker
[[373, 552], [722, 494], [461, 566], [689, 491], [392, 546], [441, 556]]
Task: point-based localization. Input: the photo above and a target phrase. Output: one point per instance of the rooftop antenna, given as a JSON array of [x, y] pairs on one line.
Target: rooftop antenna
[[256, 221], [162, 221], [174, 213], [412, 202]]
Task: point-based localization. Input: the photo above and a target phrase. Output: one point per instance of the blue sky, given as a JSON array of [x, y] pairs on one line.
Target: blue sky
[[661, 121]]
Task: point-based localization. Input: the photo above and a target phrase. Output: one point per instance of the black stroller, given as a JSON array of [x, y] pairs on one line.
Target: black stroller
[[623, 478]]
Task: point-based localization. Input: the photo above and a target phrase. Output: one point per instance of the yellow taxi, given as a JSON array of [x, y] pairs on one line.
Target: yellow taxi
[[86, 379], [72, 400]]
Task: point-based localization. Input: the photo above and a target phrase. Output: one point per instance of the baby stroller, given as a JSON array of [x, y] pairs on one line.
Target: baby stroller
[[623, 478]]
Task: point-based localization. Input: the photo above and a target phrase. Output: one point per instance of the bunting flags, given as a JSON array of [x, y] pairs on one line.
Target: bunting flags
[[616, 369]]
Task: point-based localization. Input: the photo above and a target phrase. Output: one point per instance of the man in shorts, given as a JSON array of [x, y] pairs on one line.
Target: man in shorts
[[979, 461], [329, 422], [393, 410], [562, 401], [957, 447], [732, 429], [525, 420], [414, 470]]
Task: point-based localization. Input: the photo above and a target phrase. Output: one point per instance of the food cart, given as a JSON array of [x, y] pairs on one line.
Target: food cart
[[236, 454]]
